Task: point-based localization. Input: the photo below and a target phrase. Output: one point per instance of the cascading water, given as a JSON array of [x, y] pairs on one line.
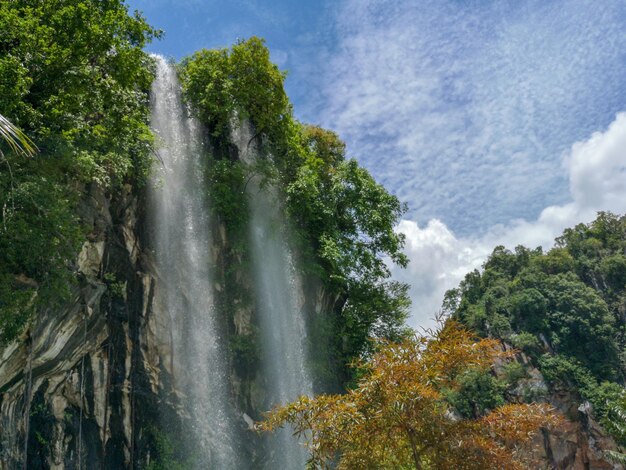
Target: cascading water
[[181, 230], [281, 318]]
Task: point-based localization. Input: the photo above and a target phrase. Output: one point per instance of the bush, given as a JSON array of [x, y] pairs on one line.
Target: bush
[[513, 372], [479, 393], [526, 342]]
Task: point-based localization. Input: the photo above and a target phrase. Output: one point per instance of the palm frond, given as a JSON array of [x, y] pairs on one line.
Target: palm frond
[[16, 139]]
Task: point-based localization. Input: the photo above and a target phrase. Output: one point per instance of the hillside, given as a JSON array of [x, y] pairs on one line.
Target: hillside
[[564, 311]]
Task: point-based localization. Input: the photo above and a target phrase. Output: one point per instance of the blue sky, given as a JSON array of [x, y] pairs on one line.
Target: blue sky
[[468, 110], [298, 33]]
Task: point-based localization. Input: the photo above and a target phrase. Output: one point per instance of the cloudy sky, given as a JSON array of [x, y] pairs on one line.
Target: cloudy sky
[[496, 121]]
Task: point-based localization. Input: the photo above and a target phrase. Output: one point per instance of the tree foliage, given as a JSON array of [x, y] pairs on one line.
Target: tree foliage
[[74, 78], [348, 220], [616, 424], [564, 308], [398, 416], [240, 81], [342, 220], [569, 298]]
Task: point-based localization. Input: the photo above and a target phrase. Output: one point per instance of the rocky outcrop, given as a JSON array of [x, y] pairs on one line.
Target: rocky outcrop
[[579, 443], [88, 375]]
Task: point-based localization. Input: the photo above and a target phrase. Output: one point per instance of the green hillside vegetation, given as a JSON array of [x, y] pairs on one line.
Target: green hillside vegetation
[[75, 80], [564, 309]]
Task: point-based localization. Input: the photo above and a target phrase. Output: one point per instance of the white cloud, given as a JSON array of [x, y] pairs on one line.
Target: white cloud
[[598, 169], [439, 259], [463, 109]]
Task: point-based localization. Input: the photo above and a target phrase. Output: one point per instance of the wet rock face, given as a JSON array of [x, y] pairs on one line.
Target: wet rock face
[[75, 390]]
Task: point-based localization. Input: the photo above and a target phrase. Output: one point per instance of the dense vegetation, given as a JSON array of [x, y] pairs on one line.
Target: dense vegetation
[[341, 218], [398, 415], [74, 78], [565, 309], [448, 400]]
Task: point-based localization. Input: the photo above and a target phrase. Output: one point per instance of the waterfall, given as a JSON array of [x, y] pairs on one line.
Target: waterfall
[[181, 229], [278, 297], [181, 236]]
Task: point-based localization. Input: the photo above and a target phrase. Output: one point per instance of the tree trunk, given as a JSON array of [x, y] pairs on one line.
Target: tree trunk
[[416, 456]]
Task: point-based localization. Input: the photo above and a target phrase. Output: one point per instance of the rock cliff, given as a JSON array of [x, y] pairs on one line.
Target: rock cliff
[[91, 381], [580, 442]]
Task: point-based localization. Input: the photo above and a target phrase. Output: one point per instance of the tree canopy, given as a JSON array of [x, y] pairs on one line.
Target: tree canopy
[[398, 416], [564, 308], [74, 78]]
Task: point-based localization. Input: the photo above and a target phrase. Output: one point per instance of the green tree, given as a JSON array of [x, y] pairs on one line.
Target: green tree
[[342, 219], [240, 81], [581, 326], [347, 220], [477, 391], [75, 79]]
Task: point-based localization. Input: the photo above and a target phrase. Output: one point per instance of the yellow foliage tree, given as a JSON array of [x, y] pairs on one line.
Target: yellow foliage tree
[[397, 418]]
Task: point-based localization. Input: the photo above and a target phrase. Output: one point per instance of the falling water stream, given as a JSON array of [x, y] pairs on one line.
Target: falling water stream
[[182, 242], [181, 228], [279, 304], [282, 323]]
